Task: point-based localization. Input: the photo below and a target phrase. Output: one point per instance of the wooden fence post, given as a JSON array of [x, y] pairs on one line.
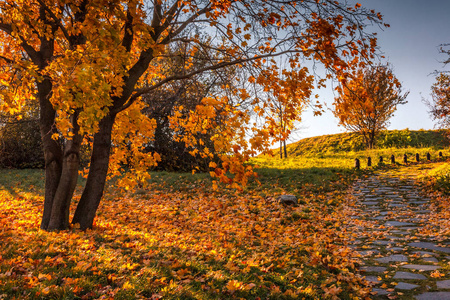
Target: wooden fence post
[[357, 164], [369, 161], [417, 157], [405, 158], [393, 159], [428, 156], [381, 160]]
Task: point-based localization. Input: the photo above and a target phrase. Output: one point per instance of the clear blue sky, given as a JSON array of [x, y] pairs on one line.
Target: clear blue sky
[[411, 45]]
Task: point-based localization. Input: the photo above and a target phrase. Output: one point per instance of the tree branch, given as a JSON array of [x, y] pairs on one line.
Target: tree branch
[[55, 19], [137, 93], [129, 33], [183, 26]]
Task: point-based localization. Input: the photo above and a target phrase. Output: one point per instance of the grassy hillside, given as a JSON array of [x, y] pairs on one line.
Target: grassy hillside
[[345, 142]]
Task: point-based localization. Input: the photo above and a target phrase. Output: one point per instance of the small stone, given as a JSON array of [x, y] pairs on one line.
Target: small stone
[[430, 259], [373, 279], [405, 286], [370, 203], [444, 284], [421, 267], [397, 205], [395, 249], [429, 246], [400, 232], [288, 199], [396, 223], [374, 269], [410, 228], [417, 220], [380, 292], [424, 253], [418, 202], [395, 258], [373, 197], [434, 296], [392, 237], [408, 275], [382, 242], [368, 252]]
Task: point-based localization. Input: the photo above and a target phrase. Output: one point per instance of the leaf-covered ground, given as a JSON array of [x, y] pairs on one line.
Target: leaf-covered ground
[[178, 239], [169, 244]]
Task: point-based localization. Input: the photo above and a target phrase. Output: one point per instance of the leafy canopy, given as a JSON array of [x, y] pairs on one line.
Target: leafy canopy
[[98, 57]]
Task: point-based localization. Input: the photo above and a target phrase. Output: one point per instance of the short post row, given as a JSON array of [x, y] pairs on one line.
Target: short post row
[[405, 159]]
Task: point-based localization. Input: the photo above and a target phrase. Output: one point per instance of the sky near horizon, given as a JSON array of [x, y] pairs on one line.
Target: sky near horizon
[[411, 46]]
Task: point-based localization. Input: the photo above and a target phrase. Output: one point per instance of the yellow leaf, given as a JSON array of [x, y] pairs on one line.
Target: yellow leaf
[[44, 276], [127, 285], [233, 285]]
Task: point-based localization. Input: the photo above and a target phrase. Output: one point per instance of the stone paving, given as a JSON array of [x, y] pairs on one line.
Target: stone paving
[[386, 222]]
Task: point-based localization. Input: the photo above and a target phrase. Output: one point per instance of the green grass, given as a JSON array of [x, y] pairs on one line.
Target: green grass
[[346, 142]]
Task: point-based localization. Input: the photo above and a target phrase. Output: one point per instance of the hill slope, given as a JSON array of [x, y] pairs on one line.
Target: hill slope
[[344, 142]]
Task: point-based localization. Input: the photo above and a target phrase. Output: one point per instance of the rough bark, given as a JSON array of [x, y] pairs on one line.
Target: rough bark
[[52, 151], [93, 191], [285, 149], [59, 219]]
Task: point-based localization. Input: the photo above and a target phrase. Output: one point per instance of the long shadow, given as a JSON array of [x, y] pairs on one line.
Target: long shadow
[[22, 180], [312, 179]]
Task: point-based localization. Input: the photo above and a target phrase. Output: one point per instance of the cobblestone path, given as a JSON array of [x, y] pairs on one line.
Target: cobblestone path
[[399, 254]]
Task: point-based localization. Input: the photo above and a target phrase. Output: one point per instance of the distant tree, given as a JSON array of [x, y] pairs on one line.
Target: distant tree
[[368, 100], [440, 100], [440, 93], [287, 96]]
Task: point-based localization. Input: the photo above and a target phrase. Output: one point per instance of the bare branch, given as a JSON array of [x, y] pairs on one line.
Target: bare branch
[[183, 26], [137, 93]]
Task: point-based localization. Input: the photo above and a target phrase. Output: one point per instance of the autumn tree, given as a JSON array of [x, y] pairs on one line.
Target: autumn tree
[[440, 100], [89, 63], [285, 95], [440, 93], [368, 100]]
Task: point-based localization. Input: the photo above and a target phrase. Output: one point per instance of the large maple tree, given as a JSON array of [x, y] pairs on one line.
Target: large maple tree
[[88, 62]]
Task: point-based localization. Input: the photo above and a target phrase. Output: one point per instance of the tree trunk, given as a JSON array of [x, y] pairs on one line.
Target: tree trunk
[[281, 149], [366, 139], [372, 139], [52, 150], [285, 150], [59, 219], [93, 191]]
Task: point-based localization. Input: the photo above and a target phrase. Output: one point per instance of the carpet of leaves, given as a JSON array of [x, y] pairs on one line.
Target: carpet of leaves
[[187, 244], [435, 180]]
